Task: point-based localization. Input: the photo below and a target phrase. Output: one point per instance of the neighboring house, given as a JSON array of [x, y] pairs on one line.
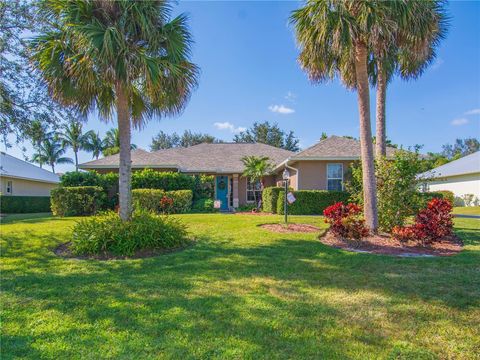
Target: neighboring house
[[461, 176], [320, 167], [20, 178]]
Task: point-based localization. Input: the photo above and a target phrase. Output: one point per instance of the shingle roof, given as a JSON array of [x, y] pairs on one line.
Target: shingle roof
[[10, 166], [220, 158], [466, 165], [335, 147]]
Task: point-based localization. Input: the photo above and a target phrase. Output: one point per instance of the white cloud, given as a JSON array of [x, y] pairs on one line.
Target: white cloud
[[281, 109], [473, 112], [459, 122], [290, 96], [437, 63], [229, 126]]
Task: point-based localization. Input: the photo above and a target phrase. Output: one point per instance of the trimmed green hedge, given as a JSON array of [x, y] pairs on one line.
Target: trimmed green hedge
[[442, 194], [151, 200], [203, 205], [269, 198], [311, 202], [24, 204], [77, 200]]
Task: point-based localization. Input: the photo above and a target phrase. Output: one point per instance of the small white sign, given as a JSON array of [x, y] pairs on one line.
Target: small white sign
[[290, 198], [217, 204]]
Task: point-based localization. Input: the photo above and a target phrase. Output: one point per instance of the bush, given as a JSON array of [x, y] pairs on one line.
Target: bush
[[270, 198], [311, 202], [203, 205], [162, 202], [78, 200], [346, 220], [431, 223], [145, 231], [397, 184], [80, 178], [204, 187], [24, 204], [168, 181]]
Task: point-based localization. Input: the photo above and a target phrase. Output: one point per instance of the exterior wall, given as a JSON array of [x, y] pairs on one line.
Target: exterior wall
[[242, 190], [459, 185], [312, 175], [23, 187]]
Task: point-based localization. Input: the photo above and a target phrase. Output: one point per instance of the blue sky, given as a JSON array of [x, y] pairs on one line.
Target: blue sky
[[247, 55]]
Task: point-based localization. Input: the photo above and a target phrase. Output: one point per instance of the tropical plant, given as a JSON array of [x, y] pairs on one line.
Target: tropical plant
[[93, 143], [127, 56], [256, 168], [73, 137], [38, 132], [334, 38], [51, 152], [111, 143], [421, 25]]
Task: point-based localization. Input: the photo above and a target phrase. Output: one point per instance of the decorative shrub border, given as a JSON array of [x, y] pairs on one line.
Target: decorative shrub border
[[24, 204], [311, 202]]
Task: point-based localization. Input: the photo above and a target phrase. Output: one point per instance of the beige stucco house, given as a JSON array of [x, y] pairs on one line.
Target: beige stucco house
[[20, 178], [319, 167]]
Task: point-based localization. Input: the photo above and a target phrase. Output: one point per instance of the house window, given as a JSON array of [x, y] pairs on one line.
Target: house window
[[253, 190], [334, 177], [9, 188]]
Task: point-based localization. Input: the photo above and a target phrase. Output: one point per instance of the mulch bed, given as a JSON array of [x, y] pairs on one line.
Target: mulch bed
[[291, 228], [64, 251], [385, 244]]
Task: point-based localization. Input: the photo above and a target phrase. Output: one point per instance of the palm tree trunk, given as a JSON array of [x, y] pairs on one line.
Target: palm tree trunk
[[125, 166], [53, 167], [369, 184], [381, 136], [76, 159]]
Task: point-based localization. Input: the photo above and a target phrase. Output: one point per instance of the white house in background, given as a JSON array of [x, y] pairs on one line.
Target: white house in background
[[461, 176], [20, 178]]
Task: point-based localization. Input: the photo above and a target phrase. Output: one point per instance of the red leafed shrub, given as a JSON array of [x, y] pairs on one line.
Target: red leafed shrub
[[431, 223], [346, 220], [166, 204]]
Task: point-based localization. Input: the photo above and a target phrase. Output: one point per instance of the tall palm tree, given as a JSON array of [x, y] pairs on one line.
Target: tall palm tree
[[128, 56], [38, 132], [111, 143], [51, 152], [93, 143], [256, 168], [334, 38], [72, 136], [421, 27]]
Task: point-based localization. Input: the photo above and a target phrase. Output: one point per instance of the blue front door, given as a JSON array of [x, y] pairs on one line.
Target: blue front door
[[222, 191]]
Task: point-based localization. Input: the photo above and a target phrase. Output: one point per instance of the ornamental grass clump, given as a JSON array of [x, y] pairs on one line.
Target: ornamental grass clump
[[107, 233], [346, 220]]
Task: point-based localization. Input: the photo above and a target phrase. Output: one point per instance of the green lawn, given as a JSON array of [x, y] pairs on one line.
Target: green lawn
[[241, 292], [467, 210]]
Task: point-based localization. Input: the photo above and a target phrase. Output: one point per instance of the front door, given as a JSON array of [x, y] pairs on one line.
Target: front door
[[222, 191]]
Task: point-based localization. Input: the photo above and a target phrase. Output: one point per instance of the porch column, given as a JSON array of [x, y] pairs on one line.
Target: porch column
[[235, 191]]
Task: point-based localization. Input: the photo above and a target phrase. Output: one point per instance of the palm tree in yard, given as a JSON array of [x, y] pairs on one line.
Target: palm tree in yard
[[111, 143], [256, 168], [72, 136], [421, 27], [93, 143], [125, 57], [51, 152], [334, 37], [38, 132]]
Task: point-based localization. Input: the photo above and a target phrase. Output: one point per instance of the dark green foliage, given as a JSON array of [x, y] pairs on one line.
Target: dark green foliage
[[80, 178], [203, 205], [427, 196], [269, 198], [311, 202], [107, 233], [24, 204], [151, 200], [204, 187], [269, 134], [78, 200], [165, 141], [151, 179]]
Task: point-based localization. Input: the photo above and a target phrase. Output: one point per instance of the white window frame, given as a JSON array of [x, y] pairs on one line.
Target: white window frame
[[9, 186], [246, 192], [328, 178]]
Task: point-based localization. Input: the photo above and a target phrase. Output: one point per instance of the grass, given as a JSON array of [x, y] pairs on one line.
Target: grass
[[241, 292], [467, 210]]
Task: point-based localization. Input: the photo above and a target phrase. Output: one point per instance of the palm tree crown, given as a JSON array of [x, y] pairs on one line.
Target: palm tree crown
[[111, 143], [72, 136], [256, 168], [127, 56], [51, 152], [93, 143]]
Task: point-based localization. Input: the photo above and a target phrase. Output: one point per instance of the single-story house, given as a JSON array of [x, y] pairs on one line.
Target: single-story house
[[462, 177], [20, 178], [319, 167]]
